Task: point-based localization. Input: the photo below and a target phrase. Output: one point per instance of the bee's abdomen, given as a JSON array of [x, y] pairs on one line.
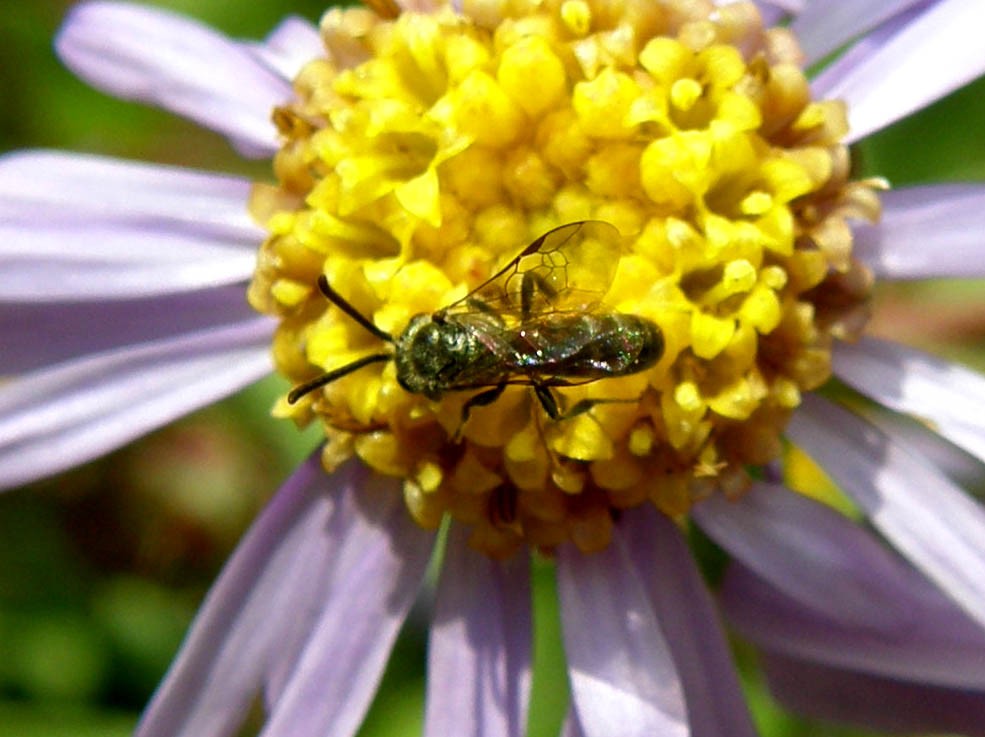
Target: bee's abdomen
[[589, 346]]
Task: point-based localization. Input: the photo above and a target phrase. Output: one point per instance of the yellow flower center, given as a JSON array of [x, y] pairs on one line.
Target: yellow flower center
[[426, 151]]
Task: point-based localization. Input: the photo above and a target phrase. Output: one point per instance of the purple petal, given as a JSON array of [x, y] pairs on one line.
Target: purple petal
[[826, 25], [813, 583], [52, 184], [925, 516], [804, 549], [950, 397], [623, 677], [80, 227], [907, 64], [571, 726], [926, 232], [73, 329], [479, 651], [960, 466], [291, 45], [376, 569], [877, 703], [325, 554], [96, 260], [688, 617], [273, 580], [771, 15], [920, 636], [75, 412], [140, 53]]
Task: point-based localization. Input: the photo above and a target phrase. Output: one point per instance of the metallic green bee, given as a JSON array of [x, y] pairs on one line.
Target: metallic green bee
[[538, 322]]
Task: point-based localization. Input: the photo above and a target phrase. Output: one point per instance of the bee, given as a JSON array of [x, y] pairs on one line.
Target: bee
[[539, 321]]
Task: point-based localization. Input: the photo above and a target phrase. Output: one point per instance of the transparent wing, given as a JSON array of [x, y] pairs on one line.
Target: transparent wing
[[569, 268]]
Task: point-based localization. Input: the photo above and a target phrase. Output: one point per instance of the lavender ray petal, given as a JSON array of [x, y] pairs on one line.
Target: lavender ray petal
[[910, 62], [139, 53], [959, 465], [688, 617], [77, 411], [825, 26], [42, 334], [571, 727], [623, 677], [949, 396], [291, 45], [808, 551], [268, 586], [52, 184], [924, 515], [920, 636], [81, 227], [926, 232], [771, 15], [882, 704], [479, 651], [86, 261], [376, 574]]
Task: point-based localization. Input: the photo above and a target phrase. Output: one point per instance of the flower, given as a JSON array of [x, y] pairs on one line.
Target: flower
[[415, 153]]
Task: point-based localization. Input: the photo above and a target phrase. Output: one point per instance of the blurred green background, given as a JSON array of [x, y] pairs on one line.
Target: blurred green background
[[102, 568]]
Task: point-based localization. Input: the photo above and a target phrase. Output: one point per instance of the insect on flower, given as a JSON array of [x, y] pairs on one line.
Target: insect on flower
[[538, 322]]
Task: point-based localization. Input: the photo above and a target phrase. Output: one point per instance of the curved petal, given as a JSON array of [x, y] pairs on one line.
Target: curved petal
[[479, 651], [806, 550], [813, 583], [97, 259], [270, 581], [314, 561], [926, 232], [949, 396], [921, 636], [87, 228], [925, 516], [571, 727], [43, 184], [73, 329], [623, 677], [140, 53], [291, 45], [379, 559], [688, 617], [878, 703], [906, 65], [825, 26], [75, 412], [961, 467]]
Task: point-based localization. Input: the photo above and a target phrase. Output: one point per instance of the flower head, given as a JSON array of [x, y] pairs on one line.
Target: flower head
[[664, 164], [427, 149]]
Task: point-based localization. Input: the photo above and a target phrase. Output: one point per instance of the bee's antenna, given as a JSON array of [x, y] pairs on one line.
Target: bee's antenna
[[339, 301], [328, 377]]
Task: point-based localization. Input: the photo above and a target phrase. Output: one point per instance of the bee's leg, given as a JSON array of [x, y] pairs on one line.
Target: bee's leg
[[587, 405], [503, 505], [532, 280], [479, 400], [548, 401]]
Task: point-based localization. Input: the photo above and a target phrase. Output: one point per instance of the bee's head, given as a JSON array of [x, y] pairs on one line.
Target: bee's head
[[429, 355]]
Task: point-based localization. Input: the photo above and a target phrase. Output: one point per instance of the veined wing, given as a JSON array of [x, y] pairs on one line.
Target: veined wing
[[567, 269]]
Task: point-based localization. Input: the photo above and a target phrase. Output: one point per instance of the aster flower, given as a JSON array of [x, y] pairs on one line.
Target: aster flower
[[416, 151]]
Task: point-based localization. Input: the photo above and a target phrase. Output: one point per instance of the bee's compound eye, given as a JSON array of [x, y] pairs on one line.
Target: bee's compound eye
[[418, 358]]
